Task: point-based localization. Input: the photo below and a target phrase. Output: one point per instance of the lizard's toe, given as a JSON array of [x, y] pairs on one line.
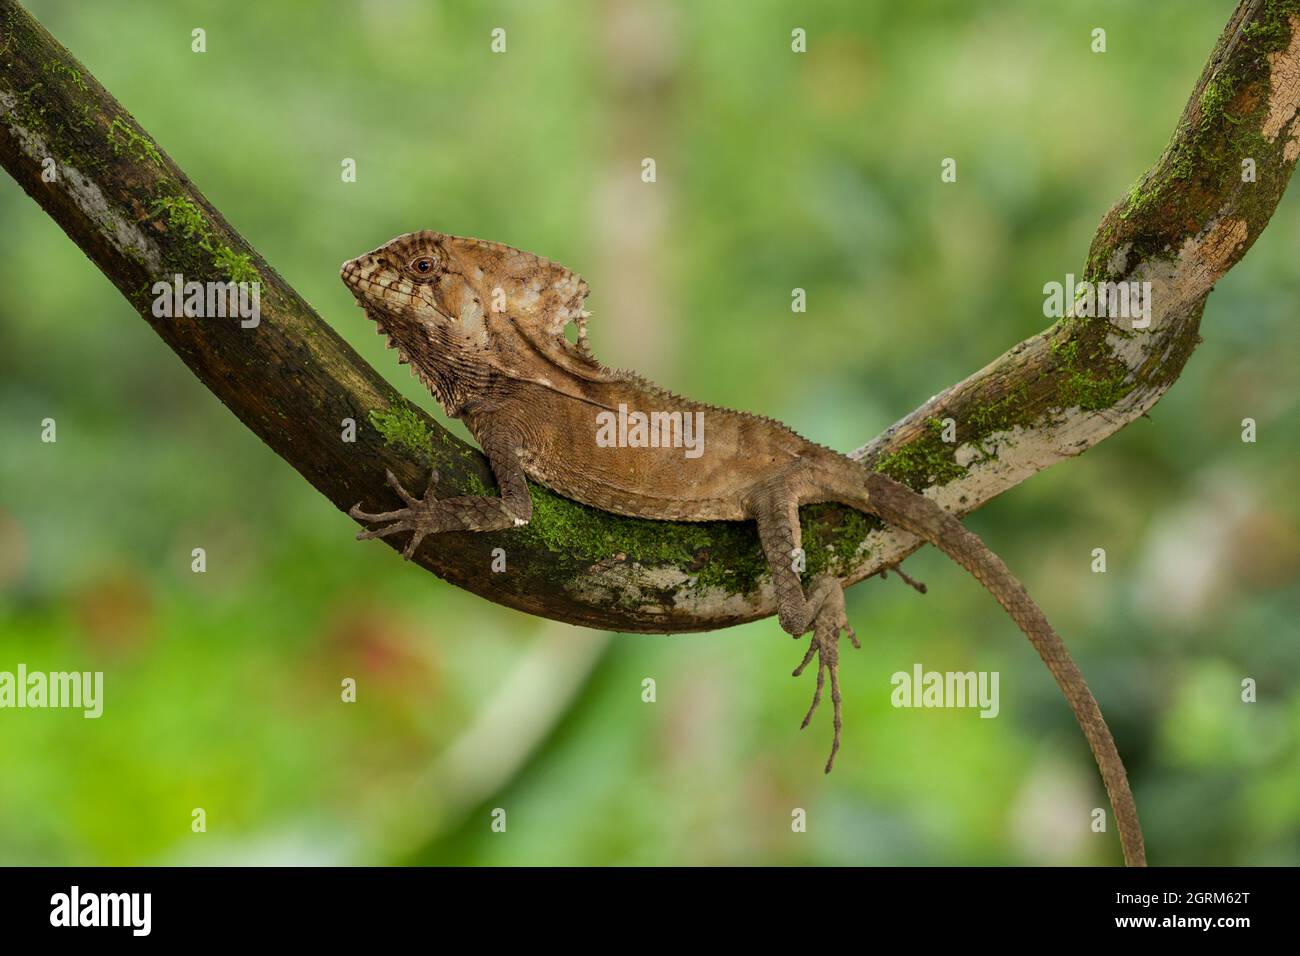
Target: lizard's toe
[[391, 528], [402, 493], [417, 535], [824, 643]]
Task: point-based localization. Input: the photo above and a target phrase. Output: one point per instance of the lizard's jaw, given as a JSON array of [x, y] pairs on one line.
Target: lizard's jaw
[[384, 326], [418, 358], [412, 338]]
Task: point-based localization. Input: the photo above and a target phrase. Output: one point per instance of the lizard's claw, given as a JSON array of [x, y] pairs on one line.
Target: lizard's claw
[[825, 643], [402, 493], [416, 517]]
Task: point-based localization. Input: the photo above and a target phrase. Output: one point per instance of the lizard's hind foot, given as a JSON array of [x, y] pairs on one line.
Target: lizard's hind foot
[[825, 643]]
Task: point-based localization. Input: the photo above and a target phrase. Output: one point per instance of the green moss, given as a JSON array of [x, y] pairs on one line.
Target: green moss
[[57, 69], [1151, 191], [474, 485], [237, 265], [1003, 414], [402, 427], [124, 138], [833, 537], [1085, 375], [566, 527], [1271, 30], [1215, 98], [925, 460], [1203, 164], [1182, 167], [1089, 376], [1201, 159], [183, 215], [29, 114], [1014, 409], [1092, 393], [30, 110]]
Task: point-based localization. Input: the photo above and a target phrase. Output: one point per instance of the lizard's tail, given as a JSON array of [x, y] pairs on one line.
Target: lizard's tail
[[903, 507]]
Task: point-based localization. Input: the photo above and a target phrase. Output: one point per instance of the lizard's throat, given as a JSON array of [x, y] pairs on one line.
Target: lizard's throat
[[431, 352]]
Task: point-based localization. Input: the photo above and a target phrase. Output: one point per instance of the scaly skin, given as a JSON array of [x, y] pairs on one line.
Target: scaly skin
[[482, 325]]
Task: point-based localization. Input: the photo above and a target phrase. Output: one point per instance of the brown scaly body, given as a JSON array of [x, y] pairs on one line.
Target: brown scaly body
[[483, 326]]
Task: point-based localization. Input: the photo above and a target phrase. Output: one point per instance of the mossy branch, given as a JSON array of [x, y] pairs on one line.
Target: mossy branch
[[294, 382], [1181, 227]]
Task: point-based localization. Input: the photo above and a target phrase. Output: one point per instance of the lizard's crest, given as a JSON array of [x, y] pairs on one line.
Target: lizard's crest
[[446, 302]]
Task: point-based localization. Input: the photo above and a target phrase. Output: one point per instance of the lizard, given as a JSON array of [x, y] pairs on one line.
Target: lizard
[[483, 326]]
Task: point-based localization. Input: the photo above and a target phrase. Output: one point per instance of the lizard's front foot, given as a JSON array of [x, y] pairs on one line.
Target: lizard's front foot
[[825, 643], [420, 516]]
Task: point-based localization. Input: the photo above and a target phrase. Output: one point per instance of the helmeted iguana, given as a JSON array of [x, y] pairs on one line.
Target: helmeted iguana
[[483, 325]]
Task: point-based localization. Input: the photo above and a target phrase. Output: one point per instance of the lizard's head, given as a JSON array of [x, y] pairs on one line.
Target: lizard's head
[[444, 299], [407, 289]]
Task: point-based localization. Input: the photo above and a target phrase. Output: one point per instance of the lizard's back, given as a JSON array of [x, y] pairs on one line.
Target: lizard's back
[[623, 444]]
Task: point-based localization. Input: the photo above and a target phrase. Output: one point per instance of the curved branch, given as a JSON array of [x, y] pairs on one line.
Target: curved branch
[[1188, 221], [293, 381]]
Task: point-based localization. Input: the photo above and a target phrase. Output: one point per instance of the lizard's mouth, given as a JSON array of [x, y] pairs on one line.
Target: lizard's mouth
[[368, 295], [356, 275]]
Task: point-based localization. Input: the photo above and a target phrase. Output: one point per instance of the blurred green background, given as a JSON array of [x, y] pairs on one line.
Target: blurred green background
[[775, 171]]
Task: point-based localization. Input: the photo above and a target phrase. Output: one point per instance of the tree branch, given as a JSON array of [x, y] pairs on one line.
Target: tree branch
[[292, 380], [1189, 220]]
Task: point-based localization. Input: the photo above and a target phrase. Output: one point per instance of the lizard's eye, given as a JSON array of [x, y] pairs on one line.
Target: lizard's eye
[[424, 266]]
